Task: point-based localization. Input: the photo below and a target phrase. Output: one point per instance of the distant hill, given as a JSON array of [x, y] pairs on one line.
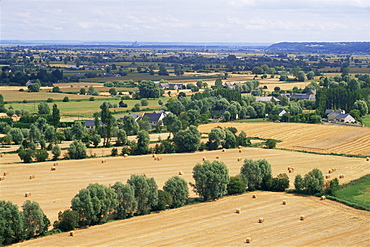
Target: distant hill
[[322, 47]]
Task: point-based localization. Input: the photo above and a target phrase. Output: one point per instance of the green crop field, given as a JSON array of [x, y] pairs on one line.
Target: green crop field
[[366, 120]]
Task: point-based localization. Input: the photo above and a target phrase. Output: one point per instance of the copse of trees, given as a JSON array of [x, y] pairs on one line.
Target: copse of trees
[[311, 183], [178, 189]]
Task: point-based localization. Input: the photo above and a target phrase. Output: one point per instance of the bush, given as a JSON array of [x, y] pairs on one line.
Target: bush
[[236, 186], [77, 150], [164, 200], [67, 221], [49, 100], [65, 99], [91, 98], [41, 155], [178, 189], [26, 155], [280, 183], [114, 152], [270, 143]]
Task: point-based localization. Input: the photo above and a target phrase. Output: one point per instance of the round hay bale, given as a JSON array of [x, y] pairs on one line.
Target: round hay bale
[[290, 170], [322, 198], [55, 164], [32, 176], [27, 194], [204, 159], [53, 168], [261, 220], [330, 171], [180, 173], [72, 233], [2, 178], [240, 147], [333, 169], [125, 155], [341, 176], [217, 157], [248, 240], [302, 217], [238, 211], [367, 158], [153, 156], [6, 173], [254, 196], [284, 202], [223, 150], [240, 150], [327, 176]]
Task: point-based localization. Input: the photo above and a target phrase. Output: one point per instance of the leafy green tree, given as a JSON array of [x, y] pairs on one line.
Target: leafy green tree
[[35, 87], [230, 140], [236, 186], [113, 91], [82, 91], [284, 100], [67, 221], [148, 89], [164, 200], [256, 173], [11, 223], [130, 125], [2, 108], [127, 203], [144, 102], [187, 140], [78, 131], [35, 221], [162, 70], [146, 193], [144, 123], [215, 138], [94, 204], [56, 151], [178, 189], [16, 135], [10, 112], [43, 108], [259, 107], [121, 137], [142, 142], [50, 133], [218, 83], [55, 117], [298, 183], [194, 117], [26, 155], [95, 139], [211, 179], [313, 181], [107, 120], [77, 150], [361, 106], [251, 112], [333, 187]]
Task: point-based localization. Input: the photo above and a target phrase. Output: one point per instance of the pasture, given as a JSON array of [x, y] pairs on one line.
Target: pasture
[[215, 223], [320, 138]]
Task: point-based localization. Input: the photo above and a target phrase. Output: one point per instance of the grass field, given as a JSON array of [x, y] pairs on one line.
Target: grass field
[[366, 120], [318, 138], [357, 191]]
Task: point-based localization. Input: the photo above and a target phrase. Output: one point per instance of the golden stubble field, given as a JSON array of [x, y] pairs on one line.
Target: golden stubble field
[[216, 224], [321, 138], [55, 189]]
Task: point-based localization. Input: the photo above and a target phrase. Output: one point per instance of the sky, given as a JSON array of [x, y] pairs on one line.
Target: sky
[[249, 21]]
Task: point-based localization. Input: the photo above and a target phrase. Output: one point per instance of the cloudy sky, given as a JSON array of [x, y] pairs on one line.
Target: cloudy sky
[[256, 21]]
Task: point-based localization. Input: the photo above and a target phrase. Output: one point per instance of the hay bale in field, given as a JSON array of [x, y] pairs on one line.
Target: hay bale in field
[[2, 178], [302, 217], [238, 211], [27, 194], [330, 171], [367, 158], [240, 150], [104, 161], [6, 173], [217, 157], [240, 147], [333, 169], [72, 233], [327, 176], [32, 177], [254, 196], [284, 202], [180, 173], [1, 155], [53, 168], [261, 220], [153, 155], [248, 240], [204, 158], [239, 159], [55, 164], [341, 176], [125, 155], [223, 150], [322, 198]]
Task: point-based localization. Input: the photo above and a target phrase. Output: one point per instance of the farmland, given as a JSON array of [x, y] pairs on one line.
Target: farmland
[[215, 223], [55, 189], [307, 137]]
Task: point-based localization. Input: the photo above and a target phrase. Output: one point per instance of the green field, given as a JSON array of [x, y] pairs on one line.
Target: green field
[[86, 107], [366, 120], [253, 120], [356, 192]]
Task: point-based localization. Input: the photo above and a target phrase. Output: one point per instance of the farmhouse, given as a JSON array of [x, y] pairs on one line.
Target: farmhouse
[[155, 117], [267, 98], [231, 86], [344, 118], [333, 114], [170, 86], [90, 124]]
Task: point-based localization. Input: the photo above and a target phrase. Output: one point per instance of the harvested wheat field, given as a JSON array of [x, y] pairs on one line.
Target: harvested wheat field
[[321, 138], [53, 190], [326, 223]]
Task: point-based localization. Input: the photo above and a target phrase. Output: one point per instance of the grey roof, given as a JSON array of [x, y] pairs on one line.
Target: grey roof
[[153, 117], [90, 123], [340, 116]]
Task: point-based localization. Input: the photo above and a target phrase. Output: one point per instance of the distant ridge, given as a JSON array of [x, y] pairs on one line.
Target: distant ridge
[[322, 47]]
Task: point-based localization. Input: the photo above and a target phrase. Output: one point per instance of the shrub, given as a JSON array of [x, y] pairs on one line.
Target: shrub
[[114, 152], [26, 155], [236, 186], [77, 150], [164, 200], [179, 191], [67, 221], [41, 155], [280, 183], [49, 100], [270, 143], [65, 99]]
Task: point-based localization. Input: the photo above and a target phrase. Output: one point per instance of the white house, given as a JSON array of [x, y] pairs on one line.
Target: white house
[[344, 118]]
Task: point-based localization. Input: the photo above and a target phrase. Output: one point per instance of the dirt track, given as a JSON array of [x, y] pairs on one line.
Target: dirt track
[[53, 190], [216, 224]]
